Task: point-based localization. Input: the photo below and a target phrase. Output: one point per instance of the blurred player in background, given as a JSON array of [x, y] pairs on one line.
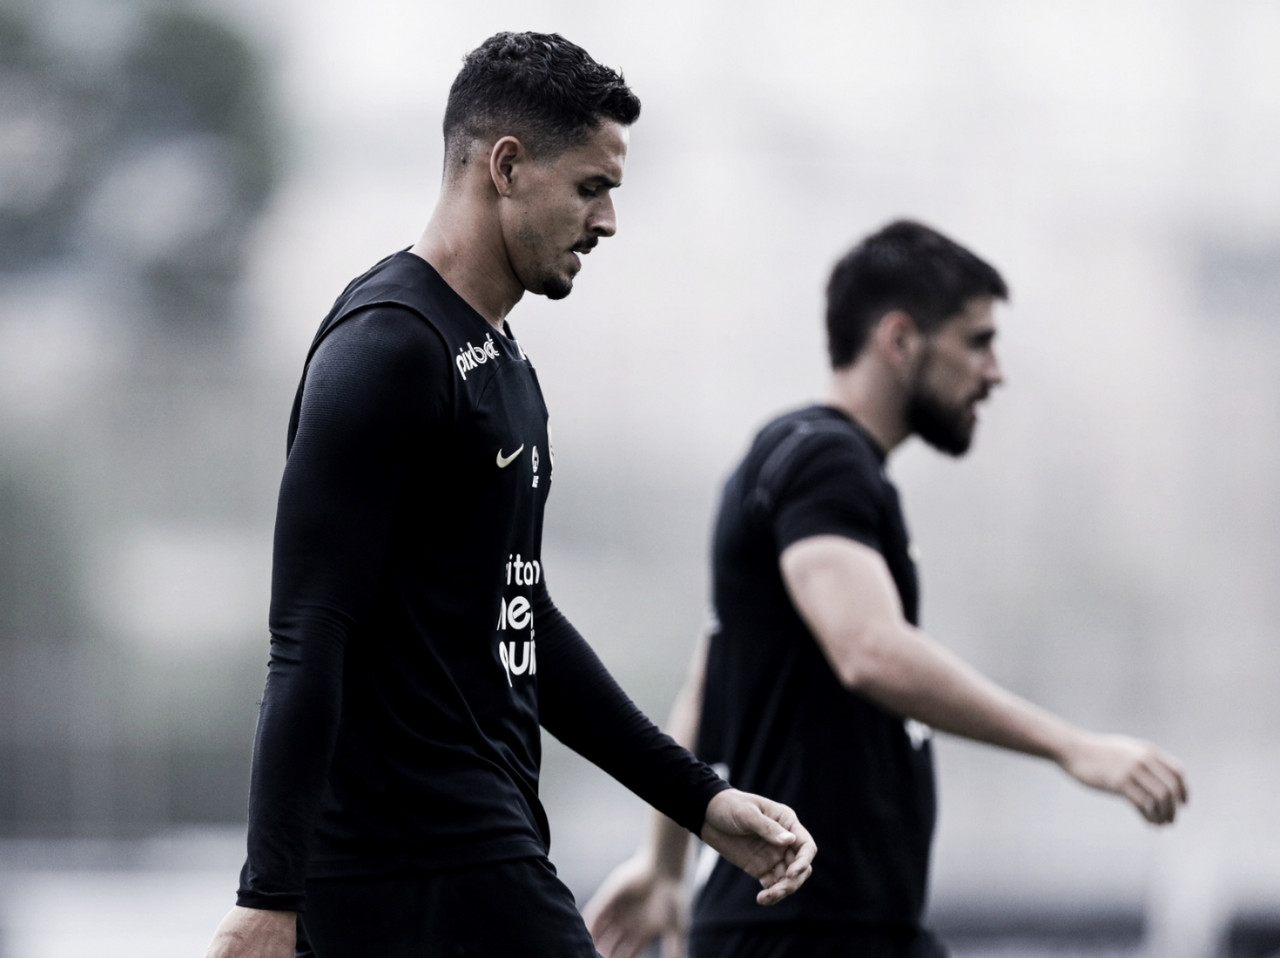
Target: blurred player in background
[[817, 685]]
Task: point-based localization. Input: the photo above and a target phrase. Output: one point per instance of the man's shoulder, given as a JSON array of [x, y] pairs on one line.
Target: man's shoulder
[[400, 300], [399, 281], [813, 430], [811, 448]]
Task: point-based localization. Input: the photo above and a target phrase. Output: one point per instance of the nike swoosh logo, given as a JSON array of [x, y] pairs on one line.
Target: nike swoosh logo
[[504, 461]]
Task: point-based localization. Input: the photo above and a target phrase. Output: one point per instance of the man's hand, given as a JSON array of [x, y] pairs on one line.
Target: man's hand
[[643, 899], [763, 838], [255, 933], [1150, 779], [636, 905]]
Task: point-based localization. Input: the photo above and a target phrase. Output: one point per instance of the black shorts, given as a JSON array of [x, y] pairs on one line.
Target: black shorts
[[807, 941], [516, 909]]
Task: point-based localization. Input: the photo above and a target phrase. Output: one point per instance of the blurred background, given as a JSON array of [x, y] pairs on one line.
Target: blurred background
[[185, 187]]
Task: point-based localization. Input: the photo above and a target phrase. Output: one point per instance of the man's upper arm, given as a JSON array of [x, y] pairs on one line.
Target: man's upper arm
[[827, 525], [844, 592], [374, 390]]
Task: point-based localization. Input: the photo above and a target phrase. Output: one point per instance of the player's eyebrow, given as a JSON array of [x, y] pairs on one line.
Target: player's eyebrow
[[599, 179]]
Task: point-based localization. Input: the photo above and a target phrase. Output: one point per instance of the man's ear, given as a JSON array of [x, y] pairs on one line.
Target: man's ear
[[504, 159], [898, 339]]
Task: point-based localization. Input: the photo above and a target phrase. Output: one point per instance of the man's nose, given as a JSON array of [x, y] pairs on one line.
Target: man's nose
[[603, 221], [993, 374]]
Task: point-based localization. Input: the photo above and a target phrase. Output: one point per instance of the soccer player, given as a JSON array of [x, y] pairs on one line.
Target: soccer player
[[817, 686], [415, 649]]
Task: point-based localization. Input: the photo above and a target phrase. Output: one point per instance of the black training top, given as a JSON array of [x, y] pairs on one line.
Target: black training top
[[773, 710], [414, 646]]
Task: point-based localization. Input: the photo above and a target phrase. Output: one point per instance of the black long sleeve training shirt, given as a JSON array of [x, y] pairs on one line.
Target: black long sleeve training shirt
[[415, 649]]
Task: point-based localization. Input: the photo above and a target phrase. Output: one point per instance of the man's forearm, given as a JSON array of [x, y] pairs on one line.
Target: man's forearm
[[297, 728], [844, 592], [582, 705], [908, 672]]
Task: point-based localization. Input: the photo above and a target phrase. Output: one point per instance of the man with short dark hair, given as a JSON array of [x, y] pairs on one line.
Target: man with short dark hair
[[817, 686], [415, 649]]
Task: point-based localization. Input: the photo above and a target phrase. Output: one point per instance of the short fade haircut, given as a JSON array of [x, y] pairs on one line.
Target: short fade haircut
[[907, 266], [538, 87]]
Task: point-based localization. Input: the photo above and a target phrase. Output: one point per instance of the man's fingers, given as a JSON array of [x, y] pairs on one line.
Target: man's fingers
[[772, 831], [617, 938], [616, 941], [763, 838], [786, 876], [1153, 801], [1157, 798], [1170, 772], [801, 861], [602, 928], [628, 946], [1152, 781], [1138, 798], [605, 937], [1165, 786], [775, 874], [804, 851], [1184, 793], [673, 945], [793, 882], [776, 892], [791, 833], [759, 821]]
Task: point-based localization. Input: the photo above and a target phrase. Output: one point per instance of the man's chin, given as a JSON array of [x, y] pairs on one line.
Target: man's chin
[[952, 444], [946, 429], [944, 434], [557, 287], [947, 435]]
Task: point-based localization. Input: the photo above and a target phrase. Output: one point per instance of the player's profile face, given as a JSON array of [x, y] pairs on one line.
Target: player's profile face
[[957, 370], [564, 207]]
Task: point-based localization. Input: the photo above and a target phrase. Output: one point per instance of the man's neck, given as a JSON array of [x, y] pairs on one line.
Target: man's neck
[[866, 394], [466, 251]]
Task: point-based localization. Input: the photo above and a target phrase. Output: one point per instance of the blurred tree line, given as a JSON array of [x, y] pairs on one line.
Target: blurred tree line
[[138, 145]]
